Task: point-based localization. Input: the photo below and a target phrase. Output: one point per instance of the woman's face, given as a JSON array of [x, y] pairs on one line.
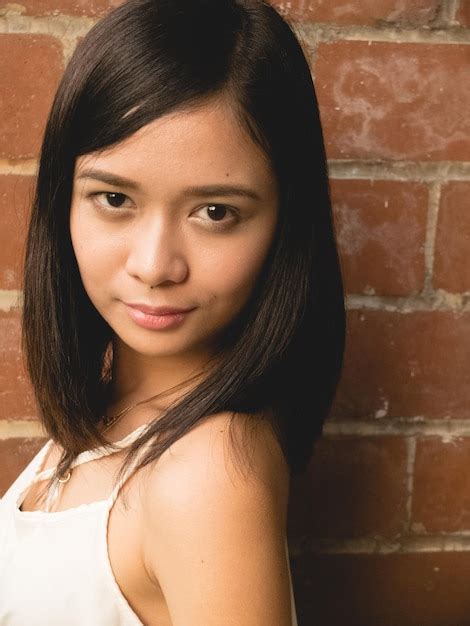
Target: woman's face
[[189, 227]]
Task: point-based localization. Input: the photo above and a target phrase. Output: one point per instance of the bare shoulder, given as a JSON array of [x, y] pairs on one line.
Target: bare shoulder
[[215, 511], [225, 447]]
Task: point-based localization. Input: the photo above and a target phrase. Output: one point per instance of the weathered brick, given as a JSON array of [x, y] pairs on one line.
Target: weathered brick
[[354, 487], [382, 589], [405, 365], [381, 228], [61, 7], [441, 498], [463, 14], [32, 64], [451, 261], [369, 12], [15, 454], [17, 395], [15, 201], [394, 100]]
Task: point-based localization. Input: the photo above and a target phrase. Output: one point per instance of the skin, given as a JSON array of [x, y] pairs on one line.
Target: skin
[[201, 544]]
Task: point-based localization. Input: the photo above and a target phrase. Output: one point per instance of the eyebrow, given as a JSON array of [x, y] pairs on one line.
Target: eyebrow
[[199, 191]]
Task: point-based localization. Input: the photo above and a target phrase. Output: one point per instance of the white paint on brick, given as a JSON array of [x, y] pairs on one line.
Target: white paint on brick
[[12, 8], [10, 300], [56, 25], [417, 528], [353, 234], [10, 429], [382, 412], [398, 79], [28, 167]]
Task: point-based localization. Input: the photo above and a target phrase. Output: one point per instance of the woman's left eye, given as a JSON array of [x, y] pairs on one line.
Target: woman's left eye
[[218, 212]]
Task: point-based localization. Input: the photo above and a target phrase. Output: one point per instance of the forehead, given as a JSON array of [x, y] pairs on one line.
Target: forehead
[[202, 141]]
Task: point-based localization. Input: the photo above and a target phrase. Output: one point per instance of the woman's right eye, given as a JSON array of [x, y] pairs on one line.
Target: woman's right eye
[[114, 199]]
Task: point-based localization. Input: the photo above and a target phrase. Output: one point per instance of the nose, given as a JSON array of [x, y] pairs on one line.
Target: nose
[[156, 253]]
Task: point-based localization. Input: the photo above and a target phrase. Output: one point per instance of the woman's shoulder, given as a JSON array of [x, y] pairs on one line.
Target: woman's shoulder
[[240, 446], [217, 502], [226, 461], [225, 457]]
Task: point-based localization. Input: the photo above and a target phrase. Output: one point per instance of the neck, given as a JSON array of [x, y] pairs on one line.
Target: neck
[[137, 377]]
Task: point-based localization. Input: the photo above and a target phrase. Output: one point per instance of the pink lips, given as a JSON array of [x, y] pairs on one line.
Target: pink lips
[[155, 318]]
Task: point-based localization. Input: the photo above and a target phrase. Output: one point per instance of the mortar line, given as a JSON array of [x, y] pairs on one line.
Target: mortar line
[[439, 300], [430, 240], [452, 9], [410, 443], [448, 430], [405, 171], [445, 429], [446, 542], [332, 33], [68, 26], [445, 15]]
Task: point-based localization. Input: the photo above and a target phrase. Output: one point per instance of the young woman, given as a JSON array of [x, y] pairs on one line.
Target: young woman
[[183, 324]]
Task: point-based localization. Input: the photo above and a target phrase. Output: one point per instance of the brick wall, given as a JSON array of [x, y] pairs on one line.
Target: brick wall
[[379, 528]]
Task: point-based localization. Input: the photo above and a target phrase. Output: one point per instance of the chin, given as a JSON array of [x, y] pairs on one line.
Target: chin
[[155, 344]]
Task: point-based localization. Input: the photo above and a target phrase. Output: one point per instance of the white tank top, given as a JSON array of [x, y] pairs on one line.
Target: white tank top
[[54, 566]]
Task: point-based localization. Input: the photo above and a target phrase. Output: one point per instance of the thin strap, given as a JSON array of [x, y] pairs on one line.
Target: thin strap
[[95, 453], [115, 492], [90, 455]]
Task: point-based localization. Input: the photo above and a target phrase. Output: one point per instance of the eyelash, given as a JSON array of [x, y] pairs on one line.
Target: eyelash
[[117, 210]]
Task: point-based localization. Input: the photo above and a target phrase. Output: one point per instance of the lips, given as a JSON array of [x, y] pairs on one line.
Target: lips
[[160, 310], [159, 318]]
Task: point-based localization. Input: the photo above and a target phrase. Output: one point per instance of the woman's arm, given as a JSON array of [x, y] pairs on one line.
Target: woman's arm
[[214, 536]]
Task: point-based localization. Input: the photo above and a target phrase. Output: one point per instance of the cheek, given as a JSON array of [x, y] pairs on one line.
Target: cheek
[[233, 270], [95, 255]]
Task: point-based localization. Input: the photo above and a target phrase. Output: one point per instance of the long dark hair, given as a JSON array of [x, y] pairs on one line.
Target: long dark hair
[[284, 351]]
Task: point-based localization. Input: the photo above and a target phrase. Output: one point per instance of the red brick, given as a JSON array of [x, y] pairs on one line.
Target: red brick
[[463, 14], [451, 261], [15, 201], [64, 7], [15, 388], [405, 365], [15, 454], [420, 589], [394, 100], [381, 228], [354, 487], [441, 499], [30, 69], [370, 12]]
